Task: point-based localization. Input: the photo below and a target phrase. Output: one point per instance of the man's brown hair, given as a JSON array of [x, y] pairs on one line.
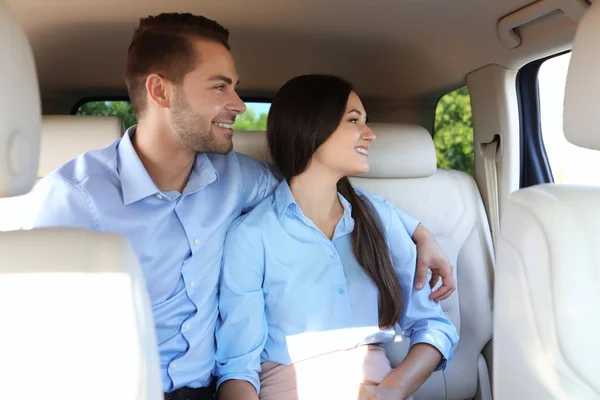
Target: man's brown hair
[[163, 45]]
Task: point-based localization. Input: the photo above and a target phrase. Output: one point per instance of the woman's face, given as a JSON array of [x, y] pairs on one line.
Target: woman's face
[[345, 152]]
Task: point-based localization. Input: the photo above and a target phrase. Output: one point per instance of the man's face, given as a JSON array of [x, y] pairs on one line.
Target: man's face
[[206, 104]]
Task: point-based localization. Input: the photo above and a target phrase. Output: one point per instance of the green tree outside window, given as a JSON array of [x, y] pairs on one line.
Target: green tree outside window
[[249, 120], [453, 131]]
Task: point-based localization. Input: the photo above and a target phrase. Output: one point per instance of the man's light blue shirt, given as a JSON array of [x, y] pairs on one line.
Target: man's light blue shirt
[[288, 293], [178, 237]]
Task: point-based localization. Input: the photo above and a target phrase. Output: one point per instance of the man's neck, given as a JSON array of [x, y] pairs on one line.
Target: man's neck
[[168, 163]]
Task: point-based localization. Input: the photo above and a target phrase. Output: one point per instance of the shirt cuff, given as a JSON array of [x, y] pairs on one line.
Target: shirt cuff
[[437, 339]]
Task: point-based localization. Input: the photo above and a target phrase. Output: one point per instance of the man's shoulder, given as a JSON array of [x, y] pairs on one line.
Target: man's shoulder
[[245, 163], [256, 179], [93, 165], [68, 195]]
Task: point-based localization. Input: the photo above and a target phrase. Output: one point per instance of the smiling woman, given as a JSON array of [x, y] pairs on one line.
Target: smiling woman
[[254, 119], [332, 308]]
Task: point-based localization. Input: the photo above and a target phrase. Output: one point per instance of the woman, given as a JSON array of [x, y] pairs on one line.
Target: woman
[[309, 287]]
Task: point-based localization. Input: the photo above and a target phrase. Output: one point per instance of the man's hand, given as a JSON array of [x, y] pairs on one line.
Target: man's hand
[[431, 256]]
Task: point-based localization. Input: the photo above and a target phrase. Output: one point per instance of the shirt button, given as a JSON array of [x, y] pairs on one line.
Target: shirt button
[[186, 327], [193, 283], [341, 291], [174, 365], [332, 255], [159, 196], [196, 242]]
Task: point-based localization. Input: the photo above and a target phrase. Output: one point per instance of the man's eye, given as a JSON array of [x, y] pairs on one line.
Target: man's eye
[[220, 87]]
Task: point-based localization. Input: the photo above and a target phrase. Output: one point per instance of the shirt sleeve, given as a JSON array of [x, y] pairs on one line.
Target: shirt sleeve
[[422, 320], [410, 223], [260, 180], [242, 330], [56, 202]]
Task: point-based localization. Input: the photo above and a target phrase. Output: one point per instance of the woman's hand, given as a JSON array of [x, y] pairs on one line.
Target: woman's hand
[[431, 256], [380, 392]]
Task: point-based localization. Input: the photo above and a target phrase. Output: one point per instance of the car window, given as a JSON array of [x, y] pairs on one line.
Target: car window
[[453, 131], [121, 109], [255, 117], [569, 163]]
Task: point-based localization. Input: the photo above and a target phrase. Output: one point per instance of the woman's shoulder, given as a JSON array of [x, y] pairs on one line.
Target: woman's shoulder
[[381, 206], [377, 201]]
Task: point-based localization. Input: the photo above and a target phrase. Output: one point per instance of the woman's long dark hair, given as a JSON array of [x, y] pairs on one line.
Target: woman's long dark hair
[[304, 113]]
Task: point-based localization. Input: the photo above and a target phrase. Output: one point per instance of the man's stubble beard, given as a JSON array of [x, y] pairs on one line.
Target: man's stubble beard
[[189, 125]]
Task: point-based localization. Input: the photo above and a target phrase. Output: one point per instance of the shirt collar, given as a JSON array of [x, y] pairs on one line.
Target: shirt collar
[[347, 224], [284, 200], [135, 181], [137, 184], [203, 174]]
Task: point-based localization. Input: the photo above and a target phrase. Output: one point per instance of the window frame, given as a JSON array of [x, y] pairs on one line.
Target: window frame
[[535, 166]]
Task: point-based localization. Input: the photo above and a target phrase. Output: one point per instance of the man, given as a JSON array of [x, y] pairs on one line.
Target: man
[[172, 185]]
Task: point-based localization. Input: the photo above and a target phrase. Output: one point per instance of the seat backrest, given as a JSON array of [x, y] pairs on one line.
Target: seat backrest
[[403, 171], [547, 300], [65, 137], [76, 318], [75, 315], [253, 144]]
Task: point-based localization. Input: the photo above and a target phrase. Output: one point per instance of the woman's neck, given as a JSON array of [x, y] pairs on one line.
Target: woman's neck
[[316, 195]]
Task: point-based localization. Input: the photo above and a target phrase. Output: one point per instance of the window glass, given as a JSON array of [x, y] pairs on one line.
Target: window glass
[[255, 117], [569, 163], [453, 131]]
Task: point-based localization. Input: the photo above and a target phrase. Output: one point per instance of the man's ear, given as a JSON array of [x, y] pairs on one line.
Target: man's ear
[[159, 90]]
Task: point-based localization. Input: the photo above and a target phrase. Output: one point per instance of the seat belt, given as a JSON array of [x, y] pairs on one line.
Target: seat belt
[[490, 158]]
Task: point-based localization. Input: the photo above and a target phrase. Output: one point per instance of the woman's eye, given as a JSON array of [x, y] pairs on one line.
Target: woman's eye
[[354, 120]]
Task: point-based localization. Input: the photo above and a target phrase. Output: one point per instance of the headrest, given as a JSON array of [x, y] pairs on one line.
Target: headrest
[[253, 144], [64, 137], [401, 151], [20, 110], [582, 103]]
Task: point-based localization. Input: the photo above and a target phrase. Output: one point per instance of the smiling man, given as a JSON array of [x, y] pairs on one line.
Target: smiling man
[[172, 185]]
